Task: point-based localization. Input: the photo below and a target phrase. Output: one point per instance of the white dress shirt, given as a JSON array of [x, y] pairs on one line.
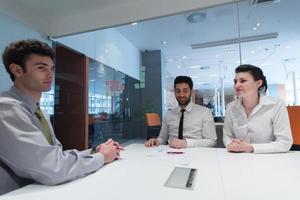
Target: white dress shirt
[[198, 126], [267, 128]]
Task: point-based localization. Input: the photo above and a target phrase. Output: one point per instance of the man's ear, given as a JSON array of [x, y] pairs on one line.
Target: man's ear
[[16, 70]]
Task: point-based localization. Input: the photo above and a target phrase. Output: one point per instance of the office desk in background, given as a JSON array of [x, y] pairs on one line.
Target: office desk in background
[[142, 173]]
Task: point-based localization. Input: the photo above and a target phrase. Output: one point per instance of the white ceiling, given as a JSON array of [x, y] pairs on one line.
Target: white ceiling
[[64, 17], [221, 23]]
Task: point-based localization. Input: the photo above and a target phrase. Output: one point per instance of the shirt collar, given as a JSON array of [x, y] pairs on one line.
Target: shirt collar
[[29, 101], [263, 100], [188, 108]]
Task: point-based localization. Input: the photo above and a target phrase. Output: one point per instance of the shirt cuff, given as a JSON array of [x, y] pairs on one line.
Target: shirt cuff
[[189, 142], [99, 159], [161, 141], [227, 143]]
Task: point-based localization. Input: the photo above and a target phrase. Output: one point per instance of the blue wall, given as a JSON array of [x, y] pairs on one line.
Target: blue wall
[[12, 30]]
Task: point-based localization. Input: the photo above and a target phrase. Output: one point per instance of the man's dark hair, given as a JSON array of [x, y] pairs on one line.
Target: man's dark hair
[[183, 79], [19, 51], [256, 73]]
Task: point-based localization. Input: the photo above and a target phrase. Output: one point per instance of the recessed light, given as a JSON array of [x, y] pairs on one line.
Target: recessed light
[[199, 83], [276, 45], [194, 66], [196, 17], [171, 60], [184, 57], [204, 67], [163, 42], [257, 24], [134, 23], [266, 64], [229, 51], [254, 28]]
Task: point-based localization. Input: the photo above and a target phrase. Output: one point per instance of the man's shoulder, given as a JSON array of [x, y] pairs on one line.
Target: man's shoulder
[[200, 108], [7, 100]]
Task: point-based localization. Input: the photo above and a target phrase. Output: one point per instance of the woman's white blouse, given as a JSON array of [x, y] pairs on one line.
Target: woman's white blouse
[[267, 128]]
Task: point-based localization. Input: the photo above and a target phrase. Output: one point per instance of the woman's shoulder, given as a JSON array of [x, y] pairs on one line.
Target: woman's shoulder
[[233, 104], [272, 100]]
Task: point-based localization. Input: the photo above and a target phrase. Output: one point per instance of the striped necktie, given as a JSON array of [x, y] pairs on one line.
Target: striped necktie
[[44, 124]]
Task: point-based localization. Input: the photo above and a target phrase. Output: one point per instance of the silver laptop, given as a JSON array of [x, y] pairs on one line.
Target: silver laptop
[[182, 177]]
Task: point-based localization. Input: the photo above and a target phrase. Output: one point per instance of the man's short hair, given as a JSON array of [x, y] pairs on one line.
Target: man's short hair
[[183, 79], [18, 52]]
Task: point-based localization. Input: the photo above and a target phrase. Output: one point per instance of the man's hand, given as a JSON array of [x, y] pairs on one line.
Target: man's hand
[[110, 150], [152, 142], [239, 146], [178, 143]]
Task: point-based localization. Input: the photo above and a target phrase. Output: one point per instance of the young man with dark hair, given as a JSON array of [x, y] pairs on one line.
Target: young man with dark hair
[[29, 150], [187, 125]]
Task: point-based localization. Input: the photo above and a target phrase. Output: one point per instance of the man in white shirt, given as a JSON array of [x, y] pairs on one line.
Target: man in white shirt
[[187, 125]]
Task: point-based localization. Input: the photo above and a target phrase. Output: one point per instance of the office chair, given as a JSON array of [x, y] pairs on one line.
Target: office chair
[[153, 125], [294, 116]]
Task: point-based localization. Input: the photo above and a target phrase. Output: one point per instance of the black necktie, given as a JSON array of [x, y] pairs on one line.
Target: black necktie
[[180, 130]]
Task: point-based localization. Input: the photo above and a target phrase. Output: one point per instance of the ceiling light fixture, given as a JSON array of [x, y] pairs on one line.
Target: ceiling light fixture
[[229, 51], [163, 42], [236, 40], [134, 23], [194, 66], [266, 64], [196, 17]]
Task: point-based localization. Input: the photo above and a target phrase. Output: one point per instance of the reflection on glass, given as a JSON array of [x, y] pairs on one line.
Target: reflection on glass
[[106, 87], [47, 101]]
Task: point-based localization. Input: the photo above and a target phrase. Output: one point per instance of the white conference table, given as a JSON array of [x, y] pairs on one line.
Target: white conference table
[[142, 173]]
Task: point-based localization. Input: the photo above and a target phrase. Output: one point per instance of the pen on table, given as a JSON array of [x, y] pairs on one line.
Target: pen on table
[[175, 152]]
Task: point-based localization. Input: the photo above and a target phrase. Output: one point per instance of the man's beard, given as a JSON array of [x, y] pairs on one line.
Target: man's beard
[[184, 103]]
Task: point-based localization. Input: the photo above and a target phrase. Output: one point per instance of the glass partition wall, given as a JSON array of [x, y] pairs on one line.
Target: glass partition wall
[[208, 44], [108, 109]]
